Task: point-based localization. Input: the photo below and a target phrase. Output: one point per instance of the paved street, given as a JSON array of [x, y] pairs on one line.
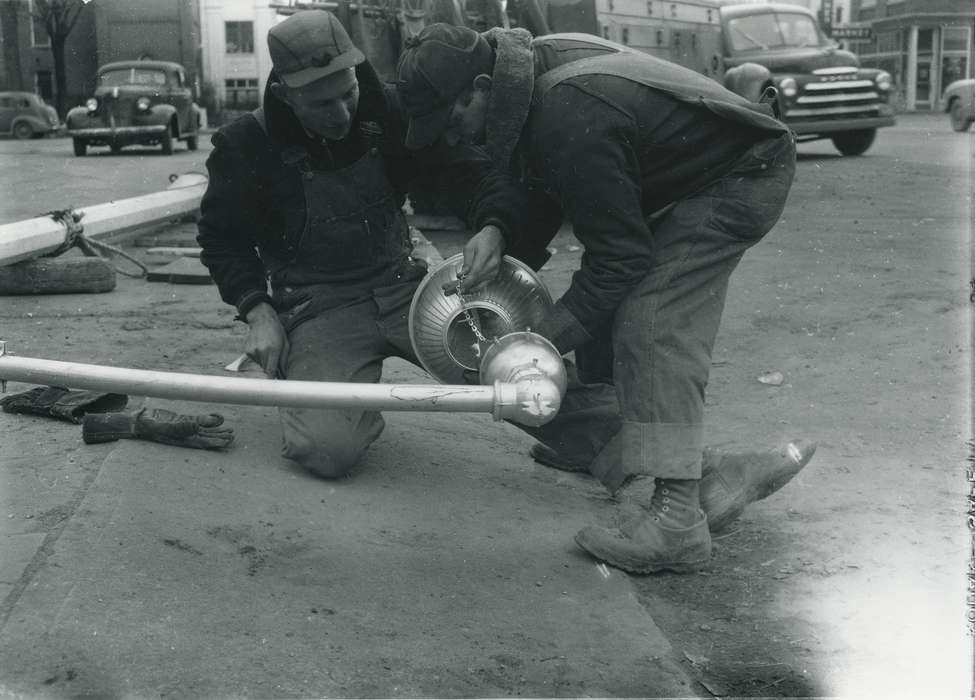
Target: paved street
[[445, 567]]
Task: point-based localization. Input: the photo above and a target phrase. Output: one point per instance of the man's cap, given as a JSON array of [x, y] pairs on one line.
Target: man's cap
[[437, 66], [310, 45]]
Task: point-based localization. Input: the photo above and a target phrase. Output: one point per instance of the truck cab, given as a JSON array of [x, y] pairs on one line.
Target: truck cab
[[822, 91]]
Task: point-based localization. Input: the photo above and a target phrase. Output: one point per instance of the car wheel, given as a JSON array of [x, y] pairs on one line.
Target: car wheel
[[23, 131], [958, 120], [854, 143], [80, 147], [192, 143], [167, 143]]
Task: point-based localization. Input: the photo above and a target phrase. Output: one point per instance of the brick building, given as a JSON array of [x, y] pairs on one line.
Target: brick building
[[107, 30], [924, 44], [26, 62]]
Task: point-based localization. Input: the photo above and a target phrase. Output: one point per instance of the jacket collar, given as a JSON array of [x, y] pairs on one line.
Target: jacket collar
[[511, 92]]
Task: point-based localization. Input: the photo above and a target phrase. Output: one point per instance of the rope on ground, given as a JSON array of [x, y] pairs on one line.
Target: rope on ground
[[75, 236]]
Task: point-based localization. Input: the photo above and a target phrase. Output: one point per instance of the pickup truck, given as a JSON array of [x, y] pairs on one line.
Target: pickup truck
[[822, 91]]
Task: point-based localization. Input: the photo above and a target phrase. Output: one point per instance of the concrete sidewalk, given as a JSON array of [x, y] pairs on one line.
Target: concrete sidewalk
[[444, 568]]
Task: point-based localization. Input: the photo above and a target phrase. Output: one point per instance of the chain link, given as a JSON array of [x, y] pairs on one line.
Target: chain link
[[467, 314]]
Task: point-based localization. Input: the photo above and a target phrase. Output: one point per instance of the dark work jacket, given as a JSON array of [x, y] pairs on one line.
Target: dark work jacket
[[254, 201], [612, 151]]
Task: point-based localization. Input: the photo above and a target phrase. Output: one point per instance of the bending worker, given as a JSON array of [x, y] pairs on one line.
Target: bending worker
[[667, 179], [307, 192]]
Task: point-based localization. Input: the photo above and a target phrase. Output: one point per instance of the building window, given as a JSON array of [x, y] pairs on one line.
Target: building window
[[839, 15], [955, 39], [955, 42], [38, 33], [239, 37], [888, 42], [240, 93]]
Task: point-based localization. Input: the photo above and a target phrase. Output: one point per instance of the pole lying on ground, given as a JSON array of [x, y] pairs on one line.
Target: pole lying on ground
[[532, 400], [31, 238]]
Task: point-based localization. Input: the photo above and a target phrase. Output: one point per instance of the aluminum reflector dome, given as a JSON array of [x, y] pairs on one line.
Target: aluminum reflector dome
[[516, 300]]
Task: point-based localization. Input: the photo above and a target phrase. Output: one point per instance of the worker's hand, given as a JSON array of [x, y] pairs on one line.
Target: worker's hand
[[267, 343], [482, 260]]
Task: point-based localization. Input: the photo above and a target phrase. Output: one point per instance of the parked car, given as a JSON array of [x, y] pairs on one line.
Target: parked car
[[959, 102], [136, 102], [24, 115]]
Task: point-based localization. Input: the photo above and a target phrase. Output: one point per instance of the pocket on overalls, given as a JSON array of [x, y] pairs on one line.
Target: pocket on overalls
[[347, 243], [750, 198], [766, 158]]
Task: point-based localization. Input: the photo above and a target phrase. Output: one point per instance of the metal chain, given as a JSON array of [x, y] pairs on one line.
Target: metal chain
[[467, 314]]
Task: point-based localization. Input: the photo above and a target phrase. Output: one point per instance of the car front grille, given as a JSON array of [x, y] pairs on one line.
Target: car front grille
[[849, 97]]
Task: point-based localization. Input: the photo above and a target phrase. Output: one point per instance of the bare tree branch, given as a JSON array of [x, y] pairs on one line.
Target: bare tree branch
[[70, 19]]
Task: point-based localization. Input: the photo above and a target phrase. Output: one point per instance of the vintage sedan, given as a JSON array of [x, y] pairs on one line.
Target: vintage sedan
[[24, 115], [136, 102], [959, 102]]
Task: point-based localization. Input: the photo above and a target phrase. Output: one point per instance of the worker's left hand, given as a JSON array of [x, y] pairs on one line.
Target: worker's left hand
[[482, 260]]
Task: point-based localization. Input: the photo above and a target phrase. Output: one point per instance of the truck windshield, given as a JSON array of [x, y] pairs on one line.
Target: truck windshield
[[132, 76], [775, 30]]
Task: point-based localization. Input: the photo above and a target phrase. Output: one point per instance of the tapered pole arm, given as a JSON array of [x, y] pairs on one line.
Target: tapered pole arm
[[505, 401]]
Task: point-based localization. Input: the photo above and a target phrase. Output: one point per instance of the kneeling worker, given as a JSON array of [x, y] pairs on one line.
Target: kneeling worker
[[306, 192]]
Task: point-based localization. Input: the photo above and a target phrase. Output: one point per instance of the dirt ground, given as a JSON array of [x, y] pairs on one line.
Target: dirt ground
[[857, 569], [851, 580]]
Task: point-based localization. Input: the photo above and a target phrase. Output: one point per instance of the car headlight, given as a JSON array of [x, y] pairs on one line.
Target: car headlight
[[884, 81], [92, 104], [142, 103], [788, 87]]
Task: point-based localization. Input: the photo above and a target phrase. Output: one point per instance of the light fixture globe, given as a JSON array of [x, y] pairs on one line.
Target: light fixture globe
[[516, 300]]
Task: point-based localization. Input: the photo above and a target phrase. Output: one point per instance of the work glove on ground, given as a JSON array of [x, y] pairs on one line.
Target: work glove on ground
[[62, 403], [159, 425]]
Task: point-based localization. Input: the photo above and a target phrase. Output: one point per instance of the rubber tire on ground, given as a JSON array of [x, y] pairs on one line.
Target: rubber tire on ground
[[958, 122], [167, 143], [23, 131], [192, 142], [80, 147], [854, 143], [67, 274]]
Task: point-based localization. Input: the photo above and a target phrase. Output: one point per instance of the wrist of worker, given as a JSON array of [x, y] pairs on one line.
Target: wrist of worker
[[497, 227], [263, 312], [249, 301]]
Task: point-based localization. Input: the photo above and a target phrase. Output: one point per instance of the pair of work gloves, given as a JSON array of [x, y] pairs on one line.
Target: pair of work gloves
[[103, 420]]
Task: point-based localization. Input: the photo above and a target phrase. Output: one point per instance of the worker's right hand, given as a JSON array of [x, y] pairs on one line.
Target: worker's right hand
[[267, 343], [482, 261]]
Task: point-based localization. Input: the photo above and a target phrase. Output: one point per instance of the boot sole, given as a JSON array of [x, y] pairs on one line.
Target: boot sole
[[675, 567], [678, 567]]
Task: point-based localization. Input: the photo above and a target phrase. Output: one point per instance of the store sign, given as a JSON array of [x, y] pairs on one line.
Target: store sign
[[826, 15], [860, 33]]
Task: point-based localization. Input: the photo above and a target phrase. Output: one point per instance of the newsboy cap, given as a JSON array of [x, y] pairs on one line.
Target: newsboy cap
[[310, 45], [437, 66]]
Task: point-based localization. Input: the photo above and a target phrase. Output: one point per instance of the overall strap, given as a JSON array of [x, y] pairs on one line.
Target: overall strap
[[686, 86], [548, 80]]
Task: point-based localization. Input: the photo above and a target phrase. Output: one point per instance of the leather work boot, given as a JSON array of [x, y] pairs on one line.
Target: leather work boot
[[730, 482], [543, 454], [672, 534]]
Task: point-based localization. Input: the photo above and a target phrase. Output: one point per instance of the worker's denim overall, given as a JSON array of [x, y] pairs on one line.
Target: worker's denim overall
[[636, 405], [344, 299]]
